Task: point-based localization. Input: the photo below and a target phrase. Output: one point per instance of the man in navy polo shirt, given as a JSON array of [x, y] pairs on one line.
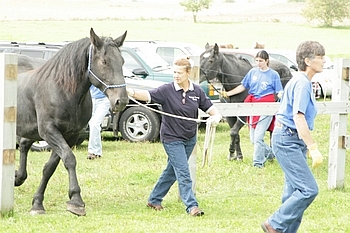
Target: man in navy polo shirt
[[180, 98]]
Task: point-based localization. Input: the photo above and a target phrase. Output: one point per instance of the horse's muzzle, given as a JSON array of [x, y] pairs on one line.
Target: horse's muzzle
[[120, 104]]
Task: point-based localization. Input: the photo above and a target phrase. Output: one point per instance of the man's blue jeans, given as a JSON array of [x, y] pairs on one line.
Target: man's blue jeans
[[262, 151], [300, 187], [177, 169], [100, 108]]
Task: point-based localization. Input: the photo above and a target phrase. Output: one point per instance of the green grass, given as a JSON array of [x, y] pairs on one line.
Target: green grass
[[242, 35], [236, 197]]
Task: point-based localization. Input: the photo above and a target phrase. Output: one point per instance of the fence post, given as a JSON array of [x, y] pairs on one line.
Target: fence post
[[8, 115], [338, 128], [193, 159]]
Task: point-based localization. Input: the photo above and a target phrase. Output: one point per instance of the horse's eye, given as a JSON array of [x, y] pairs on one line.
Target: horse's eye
[[104, 62]]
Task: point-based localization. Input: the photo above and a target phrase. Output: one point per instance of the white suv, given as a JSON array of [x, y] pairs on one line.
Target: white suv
[[166, 49]]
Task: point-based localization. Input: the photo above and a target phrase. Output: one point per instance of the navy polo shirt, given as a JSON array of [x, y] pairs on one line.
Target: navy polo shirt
[[170, 96]]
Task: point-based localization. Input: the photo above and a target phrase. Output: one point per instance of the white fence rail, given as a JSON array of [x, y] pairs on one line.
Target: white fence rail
[[339, 108]]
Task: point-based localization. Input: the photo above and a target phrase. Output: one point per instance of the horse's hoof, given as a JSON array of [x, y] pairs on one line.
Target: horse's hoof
[[18, 183], [77, 210], [232, 157], [36, 212]]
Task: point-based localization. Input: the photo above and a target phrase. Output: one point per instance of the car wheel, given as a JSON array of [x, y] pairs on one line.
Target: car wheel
[[40, 146], [139, 124]]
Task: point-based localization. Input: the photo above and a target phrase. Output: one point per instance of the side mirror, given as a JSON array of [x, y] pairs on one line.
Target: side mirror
[[140, 72], [293, 67]]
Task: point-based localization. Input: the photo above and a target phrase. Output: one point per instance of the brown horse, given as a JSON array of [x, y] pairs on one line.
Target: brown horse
[[54, 104]]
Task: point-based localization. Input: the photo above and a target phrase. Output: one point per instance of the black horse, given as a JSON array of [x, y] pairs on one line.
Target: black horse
[[230, 70], [54, 104]]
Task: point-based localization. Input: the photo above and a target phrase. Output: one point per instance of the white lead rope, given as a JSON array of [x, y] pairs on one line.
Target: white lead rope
[[165, 113], [209, 132], [208, 144]]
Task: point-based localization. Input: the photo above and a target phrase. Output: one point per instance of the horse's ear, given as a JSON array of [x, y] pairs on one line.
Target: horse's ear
[[216, 49], [95, 40], [207, 46], [120, 40]]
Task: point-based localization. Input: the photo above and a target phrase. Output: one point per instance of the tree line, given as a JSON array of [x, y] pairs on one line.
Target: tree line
[[325, 12]]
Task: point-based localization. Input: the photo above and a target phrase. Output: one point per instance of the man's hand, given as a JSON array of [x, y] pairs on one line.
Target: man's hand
[[224, 94], [130, 92], [315, 155], [214, 120], [280, 94]]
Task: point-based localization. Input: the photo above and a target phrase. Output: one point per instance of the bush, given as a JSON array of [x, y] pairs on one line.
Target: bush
[[327, 11]]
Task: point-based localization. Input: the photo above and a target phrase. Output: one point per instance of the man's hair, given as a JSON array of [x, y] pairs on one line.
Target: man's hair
[[184, 61], [308, 49]]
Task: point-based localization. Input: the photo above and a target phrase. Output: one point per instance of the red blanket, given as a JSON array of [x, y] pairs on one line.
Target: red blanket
[[255, 119]]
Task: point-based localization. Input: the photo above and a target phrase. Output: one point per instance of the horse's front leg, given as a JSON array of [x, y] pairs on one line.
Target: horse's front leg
[[49, 169], [21, 172], [63, 149], [235, 145]]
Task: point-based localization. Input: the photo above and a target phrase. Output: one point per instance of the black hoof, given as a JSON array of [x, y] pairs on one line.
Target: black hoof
[[233, 156], [36, 212], [77, 210]]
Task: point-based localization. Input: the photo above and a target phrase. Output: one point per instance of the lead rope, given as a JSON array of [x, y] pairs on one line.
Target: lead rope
[[209, 136], [208, 144]]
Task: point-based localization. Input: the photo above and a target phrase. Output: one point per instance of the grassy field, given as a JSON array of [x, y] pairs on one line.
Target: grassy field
[[242, 35], [235, 196]]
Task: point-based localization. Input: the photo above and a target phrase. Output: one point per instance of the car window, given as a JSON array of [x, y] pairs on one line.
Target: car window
[[9, 50], [152, 59], [328, 63], [33, 53], [282, 59], [250, 58], [129, 61], [169, 53], [194, 50]]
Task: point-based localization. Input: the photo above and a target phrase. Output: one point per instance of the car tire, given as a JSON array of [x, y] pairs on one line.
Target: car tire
[[139, 124], [40, 146]]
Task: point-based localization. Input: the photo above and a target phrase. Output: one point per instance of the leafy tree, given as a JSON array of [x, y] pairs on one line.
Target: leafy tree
[[195, 6], [327, 11]]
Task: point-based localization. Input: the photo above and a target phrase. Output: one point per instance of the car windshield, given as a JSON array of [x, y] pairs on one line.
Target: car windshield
[[328, 63], [156, 62], [194, 50], [286, 57]]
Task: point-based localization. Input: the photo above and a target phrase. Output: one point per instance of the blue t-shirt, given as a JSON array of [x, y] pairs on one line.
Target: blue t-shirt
[[170, 96], [262, 83], [96, 93], [298, 97]]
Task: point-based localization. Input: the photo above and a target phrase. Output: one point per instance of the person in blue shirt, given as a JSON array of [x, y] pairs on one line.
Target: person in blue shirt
[[263, 83], [100, 107], [178, 136], [291, 140]]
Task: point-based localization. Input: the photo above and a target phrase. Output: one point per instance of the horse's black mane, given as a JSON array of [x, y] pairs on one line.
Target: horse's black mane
[[237, 58], [244, 59], [67, 68]]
